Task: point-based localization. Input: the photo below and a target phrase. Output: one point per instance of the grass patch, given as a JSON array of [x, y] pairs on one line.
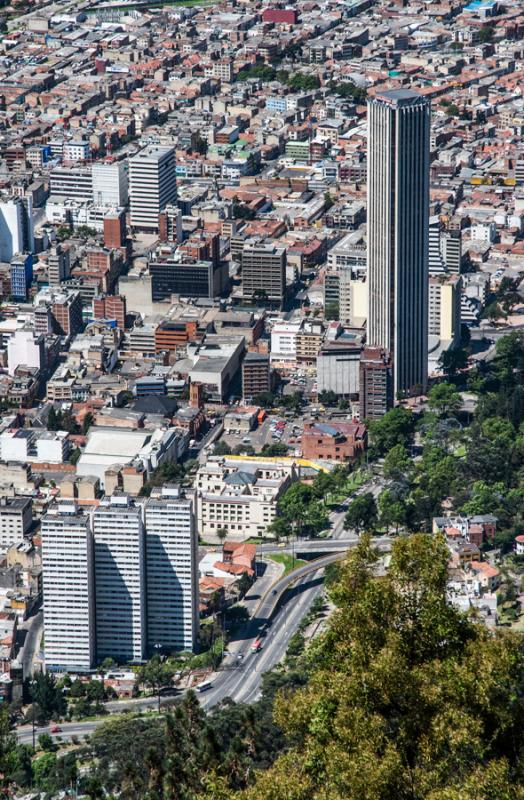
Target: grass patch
[[287, 561]]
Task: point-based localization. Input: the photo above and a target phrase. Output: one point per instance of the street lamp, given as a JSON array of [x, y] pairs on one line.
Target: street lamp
[[158, 648], [32, 684]]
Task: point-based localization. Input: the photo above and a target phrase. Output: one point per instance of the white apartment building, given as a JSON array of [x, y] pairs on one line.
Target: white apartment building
[[76, 150], [152, 185], [240, 496], [69, 613], [25, 348], [172, 570], [110, 183], [71, 183], [16, 516], [284, 343], [120, 579]]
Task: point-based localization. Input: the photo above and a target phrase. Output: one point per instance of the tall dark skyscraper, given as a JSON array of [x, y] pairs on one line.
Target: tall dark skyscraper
[[398, 214]]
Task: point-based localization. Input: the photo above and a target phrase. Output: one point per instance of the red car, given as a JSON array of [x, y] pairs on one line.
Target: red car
[[55, 729]]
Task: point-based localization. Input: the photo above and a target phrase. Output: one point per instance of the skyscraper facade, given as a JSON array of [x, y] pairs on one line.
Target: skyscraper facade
[[398, 214], [172, 579], [152, 185], [120, 579], [68, 582]]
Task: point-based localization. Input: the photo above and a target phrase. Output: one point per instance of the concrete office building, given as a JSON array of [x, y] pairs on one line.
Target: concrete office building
[[110, 183], [16, 517], [58, 265], [256, 375], [338, 366], [69, 612], [120, 579], [152, 185], [264, 273], [16, 227], [398, 214], [376, 383], [172, 570], [71, 183]]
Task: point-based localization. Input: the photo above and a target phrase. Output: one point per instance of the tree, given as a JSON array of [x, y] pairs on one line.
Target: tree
[[48, 696], [328, 201], [222, 534], [452, 360], [408, 698], [395, 427], [222, 449], [275, 450], [323, 485], [396, 462], [155, 673], [493, 312], [328, 397], [46, 742], [444, 399], [332, 311], [362, 513], [264, 400], [485, 34], [87, 422], [280, 528], [393, 510]]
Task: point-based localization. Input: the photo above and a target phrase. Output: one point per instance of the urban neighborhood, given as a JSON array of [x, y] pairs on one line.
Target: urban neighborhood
[[261, 399]]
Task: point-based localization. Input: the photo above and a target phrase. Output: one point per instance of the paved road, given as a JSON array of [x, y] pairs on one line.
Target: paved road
[[33, 627]]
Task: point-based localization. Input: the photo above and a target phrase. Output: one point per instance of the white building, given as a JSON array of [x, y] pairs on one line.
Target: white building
[[240, 496], [25, 348], [120, 579], [69, 613], [16, 227], [152, 185], [110, 183], [76, 150], [284, 343], [172, 570], [47, 447], [16, 516], [484, 232], [71, 183]]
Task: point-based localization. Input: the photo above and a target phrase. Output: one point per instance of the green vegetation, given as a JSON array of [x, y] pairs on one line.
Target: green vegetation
[[407, 697], [288, 561], [350, 90]]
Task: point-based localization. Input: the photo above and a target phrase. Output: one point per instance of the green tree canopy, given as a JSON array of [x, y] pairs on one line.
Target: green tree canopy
[[409, 699], [393, 428], [362, 513]]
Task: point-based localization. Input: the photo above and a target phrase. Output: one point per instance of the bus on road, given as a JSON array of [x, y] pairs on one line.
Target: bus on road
[[256, 646]]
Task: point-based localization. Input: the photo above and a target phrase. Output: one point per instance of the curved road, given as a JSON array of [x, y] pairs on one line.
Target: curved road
[[241, 671]]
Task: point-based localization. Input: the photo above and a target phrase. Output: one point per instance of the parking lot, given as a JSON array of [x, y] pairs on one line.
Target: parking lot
[[274, 430]]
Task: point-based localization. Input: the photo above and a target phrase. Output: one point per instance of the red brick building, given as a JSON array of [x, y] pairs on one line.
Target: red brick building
[[333, 441], [110, 307]]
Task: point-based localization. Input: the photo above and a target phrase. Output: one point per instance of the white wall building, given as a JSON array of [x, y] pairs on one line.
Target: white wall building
[[16, 516], [16, 227], [172, 570], [152, 185], [240, 496], [120, 579], [67, 564], [76, 150], [110, 183], [24, 348], [284, 342]]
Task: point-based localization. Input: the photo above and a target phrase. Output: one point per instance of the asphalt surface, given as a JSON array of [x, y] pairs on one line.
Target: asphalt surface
[[33, 631], [241, 671]]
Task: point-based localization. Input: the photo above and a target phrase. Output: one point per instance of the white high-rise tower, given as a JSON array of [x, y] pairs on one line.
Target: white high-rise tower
[[152, 185]]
